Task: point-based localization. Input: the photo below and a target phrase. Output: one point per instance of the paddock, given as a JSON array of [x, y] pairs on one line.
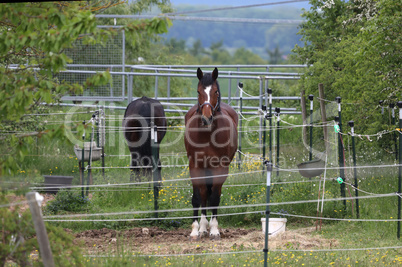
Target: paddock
[[302, 200]]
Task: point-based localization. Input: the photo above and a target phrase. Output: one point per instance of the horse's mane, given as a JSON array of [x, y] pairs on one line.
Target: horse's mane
[[206, 81]]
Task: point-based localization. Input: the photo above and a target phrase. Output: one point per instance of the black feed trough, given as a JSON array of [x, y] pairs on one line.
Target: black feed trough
[[311, 168], [55, 182]]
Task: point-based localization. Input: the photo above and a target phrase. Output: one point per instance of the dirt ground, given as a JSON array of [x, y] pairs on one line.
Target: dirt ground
[[158, 241], [154, 240]]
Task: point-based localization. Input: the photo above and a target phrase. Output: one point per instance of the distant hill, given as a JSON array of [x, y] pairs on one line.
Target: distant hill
[[253, 36]]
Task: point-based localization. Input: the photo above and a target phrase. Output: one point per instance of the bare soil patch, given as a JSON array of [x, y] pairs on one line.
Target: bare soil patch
[[154, 240]]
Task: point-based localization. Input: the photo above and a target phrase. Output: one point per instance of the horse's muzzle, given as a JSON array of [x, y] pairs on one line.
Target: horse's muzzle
[[206, 121]]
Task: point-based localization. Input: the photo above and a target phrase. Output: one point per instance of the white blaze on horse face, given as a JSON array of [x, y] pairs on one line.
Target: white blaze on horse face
[[213, 224], [208, 91]]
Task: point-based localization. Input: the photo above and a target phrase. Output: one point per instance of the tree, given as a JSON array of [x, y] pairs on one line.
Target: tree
[[176, 46], [353, 47], [382, 42], [275, 57], [197, 48], [33, 37], [245, 56]]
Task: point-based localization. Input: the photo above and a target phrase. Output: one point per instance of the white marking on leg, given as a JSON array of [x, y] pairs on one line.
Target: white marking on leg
[[213, 224], [203, 225], [194, 233]]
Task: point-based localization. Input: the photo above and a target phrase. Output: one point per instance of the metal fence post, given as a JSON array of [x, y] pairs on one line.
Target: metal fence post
[[129, 89], [240, 122], [311, 97], [352, 130], [341, 165], [399, 104], [155, 165], [267, 210], [391, 106], [270, 122], [156, 84], [82, 162], [261, 119], [230, 88], [168, 85], [278, 112]]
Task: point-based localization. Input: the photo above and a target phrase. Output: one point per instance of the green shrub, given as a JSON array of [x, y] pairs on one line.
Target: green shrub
[[67, 200], [19, 238]]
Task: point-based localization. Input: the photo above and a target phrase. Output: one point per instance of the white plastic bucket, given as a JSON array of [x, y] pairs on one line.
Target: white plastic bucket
[[275, 225]]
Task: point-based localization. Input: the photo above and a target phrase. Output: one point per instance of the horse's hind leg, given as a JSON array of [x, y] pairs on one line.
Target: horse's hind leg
[[135, 171], [135, 176]]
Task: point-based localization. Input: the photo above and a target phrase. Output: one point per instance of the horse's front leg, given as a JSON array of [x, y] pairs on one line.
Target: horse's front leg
[[214, 200], [203, 222], [196, 201], [199, 199]]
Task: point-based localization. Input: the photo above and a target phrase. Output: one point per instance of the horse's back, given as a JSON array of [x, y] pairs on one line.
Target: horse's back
[[145, 107], [138, 116]]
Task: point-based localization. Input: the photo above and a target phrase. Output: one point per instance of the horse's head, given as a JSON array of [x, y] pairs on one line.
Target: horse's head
[[209, 95]]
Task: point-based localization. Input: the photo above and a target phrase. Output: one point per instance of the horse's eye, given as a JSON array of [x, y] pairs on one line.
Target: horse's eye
[[198, 92], [216, 93]]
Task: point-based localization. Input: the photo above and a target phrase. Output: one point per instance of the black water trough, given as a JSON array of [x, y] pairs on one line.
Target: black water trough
[[311, 168], [56, 182]]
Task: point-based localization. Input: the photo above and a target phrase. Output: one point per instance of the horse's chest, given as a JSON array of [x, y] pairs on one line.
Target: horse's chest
[[213, 138]]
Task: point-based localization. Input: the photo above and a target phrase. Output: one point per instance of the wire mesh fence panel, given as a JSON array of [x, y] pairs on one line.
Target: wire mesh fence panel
[[97, 57]]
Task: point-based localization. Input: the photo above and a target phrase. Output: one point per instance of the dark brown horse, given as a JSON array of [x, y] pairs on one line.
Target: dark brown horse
[[139, 116], [211, 143]]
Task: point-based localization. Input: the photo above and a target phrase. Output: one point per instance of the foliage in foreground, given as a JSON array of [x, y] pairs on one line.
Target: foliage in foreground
[[33, 37], [19, 244]]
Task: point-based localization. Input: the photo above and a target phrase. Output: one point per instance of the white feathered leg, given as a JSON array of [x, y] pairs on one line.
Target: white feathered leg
[[214, 231], [203, 226], [194, 233]]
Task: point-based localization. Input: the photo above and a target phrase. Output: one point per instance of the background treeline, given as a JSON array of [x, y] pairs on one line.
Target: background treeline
[[258, 38]]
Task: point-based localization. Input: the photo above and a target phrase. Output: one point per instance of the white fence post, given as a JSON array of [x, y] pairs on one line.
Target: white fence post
[[34, 200]]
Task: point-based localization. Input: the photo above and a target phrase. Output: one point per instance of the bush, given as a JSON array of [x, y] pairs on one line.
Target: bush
[[67, 200], [18, 239]]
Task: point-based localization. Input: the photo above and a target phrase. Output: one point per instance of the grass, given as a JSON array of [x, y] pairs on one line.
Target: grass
[[292, 258], [58, 159]]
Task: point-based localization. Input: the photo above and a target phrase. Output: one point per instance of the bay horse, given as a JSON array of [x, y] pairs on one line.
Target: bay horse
[[137, 120], [211, 143]]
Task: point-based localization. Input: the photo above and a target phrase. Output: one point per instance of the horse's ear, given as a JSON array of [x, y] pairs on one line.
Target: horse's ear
[[199, 74], [215, 74]]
